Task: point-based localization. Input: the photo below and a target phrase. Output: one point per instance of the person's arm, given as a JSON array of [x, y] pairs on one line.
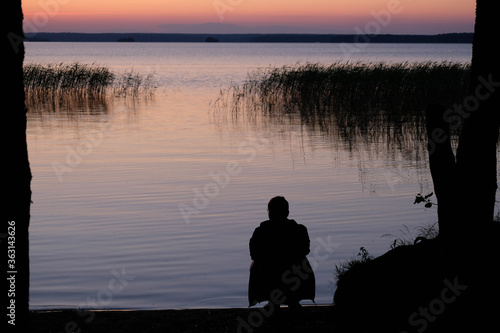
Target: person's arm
[[305, 242], [254, 245]]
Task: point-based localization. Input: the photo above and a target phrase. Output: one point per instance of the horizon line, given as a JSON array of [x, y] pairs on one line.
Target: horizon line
[[244, 33]]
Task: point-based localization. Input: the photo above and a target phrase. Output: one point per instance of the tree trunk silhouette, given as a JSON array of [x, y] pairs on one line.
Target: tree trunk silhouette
[[465, 183], [408, 288], [17, 175]]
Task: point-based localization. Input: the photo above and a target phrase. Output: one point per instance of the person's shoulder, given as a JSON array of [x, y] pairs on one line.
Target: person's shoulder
[[296, 223], [299, 226], [264, 224]]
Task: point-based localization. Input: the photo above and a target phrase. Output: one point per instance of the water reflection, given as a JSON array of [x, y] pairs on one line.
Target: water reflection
[[376, 130], [70, 108], [385, 142], [374, 105], [74, 115], [374, 112]]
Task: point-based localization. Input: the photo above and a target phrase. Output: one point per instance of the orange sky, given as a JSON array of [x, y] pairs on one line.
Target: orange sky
[[308, 16]]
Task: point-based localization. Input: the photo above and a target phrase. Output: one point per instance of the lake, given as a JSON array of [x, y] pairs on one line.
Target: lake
[[149, 203]]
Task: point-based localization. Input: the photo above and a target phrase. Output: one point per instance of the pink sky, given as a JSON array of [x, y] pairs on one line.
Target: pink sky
[[272, 16]]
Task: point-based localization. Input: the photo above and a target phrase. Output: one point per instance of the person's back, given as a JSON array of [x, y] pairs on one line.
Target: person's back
[[278, 248], [281, 242]]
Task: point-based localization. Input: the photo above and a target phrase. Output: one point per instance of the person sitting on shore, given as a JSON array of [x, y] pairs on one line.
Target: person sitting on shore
[[280, 272]]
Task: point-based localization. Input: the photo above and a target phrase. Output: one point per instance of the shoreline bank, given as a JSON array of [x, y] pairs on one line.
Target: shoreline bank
[[319, 318]]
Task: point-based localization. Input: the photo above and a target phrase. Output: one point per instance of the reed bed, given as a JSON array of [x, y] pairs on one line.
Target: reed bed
[[131, 83], [380, 106], [315, 90], [77, 83], [382, 102]]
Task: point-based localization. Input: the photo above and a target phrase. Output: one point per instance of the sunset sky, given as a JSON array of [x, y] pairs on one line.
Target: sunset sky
[[247, 16]]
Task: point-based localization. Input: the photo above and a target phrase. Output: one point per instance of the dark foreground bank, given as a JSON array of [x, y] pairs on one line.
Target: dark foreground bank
[[309, 319]]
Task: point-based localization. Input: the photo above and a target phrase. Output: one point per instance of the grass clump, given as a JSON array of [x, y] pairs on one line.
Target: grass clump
[[350, 94], [342, 268], [326, 88], [407, 237], [134, 84], [79, 83], [352, 103], [56, 81]]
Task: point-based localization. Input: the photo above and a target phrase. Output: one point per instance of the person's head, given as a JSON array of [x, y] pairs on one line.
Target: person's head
[[277, 208]]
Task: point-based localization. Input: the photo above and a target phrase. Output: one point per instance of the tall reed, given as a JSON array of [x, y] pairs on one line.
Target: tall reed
[[375, 105], [316, 88], [131, 83], [80, 83], [58, 81], [349, 98]]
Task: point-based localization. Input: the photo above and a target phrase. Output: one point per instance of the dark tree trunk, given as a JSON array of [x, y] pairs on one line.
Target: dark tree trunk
[[392, 292], [476, 154], [466, 184], [16, 175]]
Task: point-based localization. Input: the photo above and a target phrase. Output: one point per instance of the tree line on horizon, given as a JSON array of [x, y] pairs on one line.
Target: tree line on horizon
[[463, 38]]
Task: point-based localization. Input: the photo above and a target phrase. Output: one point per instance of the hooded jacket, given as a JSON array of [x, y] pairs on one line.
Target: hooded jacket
[[279, 249]]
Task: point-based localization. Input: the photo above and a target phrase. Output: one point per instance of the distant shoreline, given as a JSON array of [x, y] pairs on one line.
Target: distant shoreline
[[450, 38]]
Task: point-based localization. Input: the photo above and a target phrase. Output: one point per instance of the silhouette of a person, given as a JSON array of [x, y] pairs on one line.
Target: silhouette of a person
[[280, 272]]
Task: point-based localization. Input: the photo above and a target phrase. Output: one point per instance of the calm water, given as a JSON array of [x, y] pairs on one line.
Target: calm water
[[151, 203]]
